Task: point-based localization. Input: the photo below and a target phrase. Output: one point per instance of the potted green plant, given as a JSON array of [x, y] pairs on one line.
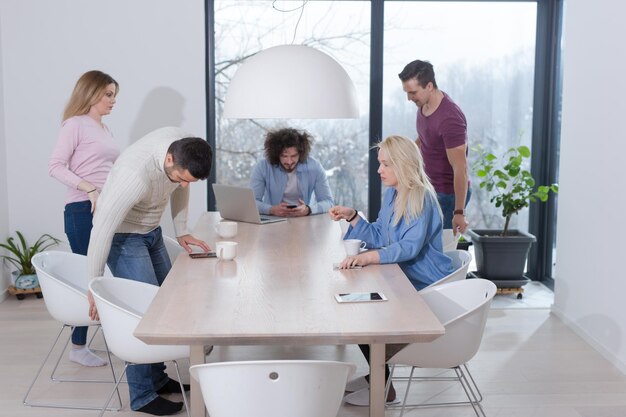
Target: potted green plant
[[20, 257], [463, 244], [501, 254]]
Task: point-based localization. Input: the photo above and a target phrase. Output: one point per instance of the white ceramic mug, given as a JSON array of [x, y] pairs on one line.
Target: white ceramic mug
[[226, 229], [353, 246], [226, 250]]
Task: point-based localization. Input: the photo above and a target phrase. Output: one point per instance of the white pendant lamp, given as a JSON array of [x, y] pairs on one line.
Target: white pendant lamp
[[291, 82]]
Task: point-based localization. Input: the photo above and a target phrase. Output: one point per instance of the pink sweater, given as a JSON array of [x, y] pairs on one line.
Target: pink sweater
[[84, 151]]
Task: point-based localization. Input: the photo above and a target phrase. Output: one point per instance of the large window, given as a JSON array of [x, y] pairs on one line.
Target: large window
[[340, 29], [483, 54]]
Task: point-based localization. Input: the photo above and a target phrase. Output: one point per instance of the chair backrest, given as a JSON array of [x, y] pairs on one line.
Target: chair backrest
[[462, 307], [63, 280], [172, 247], [461, 260], [449, 240], [273, 388], [121, 303]]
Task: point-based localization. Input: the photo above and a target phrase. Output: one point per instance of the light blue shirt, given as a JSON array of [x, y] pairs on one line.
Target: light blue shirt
[[415, 246], [269, 181]]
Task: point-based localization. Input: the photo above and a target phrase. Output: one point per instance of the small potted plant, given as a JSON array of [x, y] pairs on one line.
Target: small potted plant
[[20, 256], [501, 254], [463, 244]]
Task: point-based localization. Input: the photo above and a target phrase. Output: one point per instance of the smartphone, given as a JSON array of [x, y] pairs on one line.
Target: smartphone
[[197, 255], [336, 266], [360, 297], [292, 206]]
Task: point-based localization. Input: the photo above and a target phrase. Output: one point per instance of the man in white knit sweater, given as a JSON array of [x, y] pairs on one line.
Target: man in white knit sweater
[[127, 236]]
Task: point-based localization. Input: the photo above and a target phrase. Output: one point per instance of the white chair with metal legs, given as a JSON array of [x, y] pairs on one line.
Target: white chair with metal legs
[[290, 388], [449, 240], [121, 303], [462, 307], [63, 280], [461, 260], [173, 248]]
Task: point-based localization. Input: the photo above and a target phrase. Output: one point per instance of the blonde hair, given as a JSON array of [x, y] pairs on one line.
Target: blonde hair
[[413, 184], [88, 91]]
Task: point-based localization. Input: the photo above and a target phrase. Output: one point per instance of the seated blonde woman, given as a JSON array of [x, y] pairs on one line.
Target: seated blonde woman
[[408, 230]]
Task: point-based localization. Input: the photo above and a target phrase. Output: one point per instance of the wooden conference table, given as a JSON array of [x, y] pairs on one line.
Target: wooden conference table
[[280, 290]]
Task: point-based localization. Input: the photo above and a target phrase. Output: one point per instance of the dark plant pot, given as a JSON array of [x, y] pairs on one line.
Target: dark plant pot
[[501, 257], [463, 245]]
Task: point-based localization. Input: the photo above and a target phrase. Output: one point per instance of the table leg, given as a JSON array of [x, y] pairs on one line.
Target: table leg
[[196, 357], [377, 380]]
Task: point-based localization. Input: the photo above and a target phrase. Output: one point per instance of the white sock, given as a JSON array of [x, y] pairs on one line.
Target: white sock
[[86, 357]]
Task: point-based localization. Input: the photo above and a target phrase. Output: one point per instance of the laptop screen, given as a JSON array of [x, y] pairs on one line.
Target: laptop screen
[[238, 203]]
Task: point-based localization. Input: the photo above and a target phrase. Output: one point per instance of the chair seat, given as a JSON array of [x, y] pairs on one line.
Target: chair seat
[[462, 307], [461, 260], [449, 239], [121, 303], [273, 388], [63, 280]]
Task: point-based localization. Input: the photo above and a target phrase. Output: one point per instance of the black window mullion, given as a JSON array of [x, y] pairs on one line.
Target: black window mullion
[[376, 105], [545, 138], [209, 36]]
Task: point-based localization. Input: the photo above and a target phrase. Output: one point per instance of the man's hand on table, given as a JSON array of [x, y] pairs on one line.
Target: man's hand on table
[[186, 241]]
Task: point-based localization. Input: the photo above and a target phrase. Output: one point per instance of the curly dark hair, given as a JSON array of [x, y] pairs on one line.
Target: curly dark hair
[[276, 141]]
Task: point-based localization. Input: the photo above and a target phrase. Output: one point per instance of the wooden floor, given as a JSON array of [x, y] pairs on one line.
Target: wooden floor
[[529, 364]]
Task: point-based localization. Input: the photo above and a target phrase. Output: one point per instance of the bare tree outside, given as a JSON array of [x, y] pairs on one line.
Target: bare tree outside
[[244, 28]]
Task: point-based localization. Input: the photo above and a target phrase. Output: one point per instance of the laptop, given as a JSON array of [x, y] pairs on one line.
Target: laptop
[[239, 204]]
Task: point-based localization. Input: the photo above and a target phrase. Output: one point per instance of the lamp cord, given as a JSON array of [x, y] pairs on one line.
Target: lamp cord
[[295, 30]]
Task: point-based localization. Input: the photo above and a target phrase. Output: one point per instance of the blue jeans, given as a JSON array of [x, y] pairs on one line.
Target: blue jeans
[[446, 202], [141, 257], [78, 222]]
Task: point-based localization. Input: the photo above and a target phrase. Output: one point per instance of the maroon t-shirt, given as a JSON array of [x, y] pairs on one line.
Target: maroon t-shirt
[[444, 129]]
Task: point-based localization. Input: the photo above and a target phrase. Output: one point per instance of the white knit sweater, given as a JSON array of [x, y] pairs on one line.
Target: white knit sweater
[[135, 195]]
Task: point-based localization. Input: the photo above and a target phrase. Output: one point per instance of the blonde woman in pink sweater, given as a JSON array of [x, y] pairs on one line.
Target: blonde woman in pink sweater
[[83, 156]]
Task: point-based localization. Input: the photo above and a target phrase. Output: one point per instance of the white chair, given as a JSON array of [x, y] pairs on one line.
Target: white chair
[[121, 303], [63, 280], [449, 239], [461, 260], [462, 307], [273, 388], [173, 248]]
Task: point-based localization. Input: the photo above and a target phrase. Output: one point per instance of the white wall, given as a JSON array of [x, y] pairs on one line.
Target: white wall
[[591, 281], [153, 48], [4, 207]]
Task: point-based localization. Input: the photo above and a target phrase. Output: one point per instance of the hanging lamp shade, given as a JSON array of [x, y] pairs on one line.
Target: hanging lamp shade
[[291, 82]]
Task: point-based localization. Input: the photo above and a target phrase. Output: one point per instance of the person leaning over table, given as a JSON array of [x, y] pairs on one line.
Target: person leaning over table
[[407, 232], [82, 158], [285, 180], [127, 236]]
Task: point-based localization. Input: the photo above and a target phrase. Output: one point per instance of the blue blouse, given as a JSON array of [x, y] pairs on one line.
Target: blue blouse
[[416, 246]]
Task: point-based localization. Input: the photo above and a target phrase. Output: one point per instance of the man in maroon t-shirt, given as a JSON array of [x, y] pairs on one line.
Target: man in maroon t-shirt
[[442, 138]]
